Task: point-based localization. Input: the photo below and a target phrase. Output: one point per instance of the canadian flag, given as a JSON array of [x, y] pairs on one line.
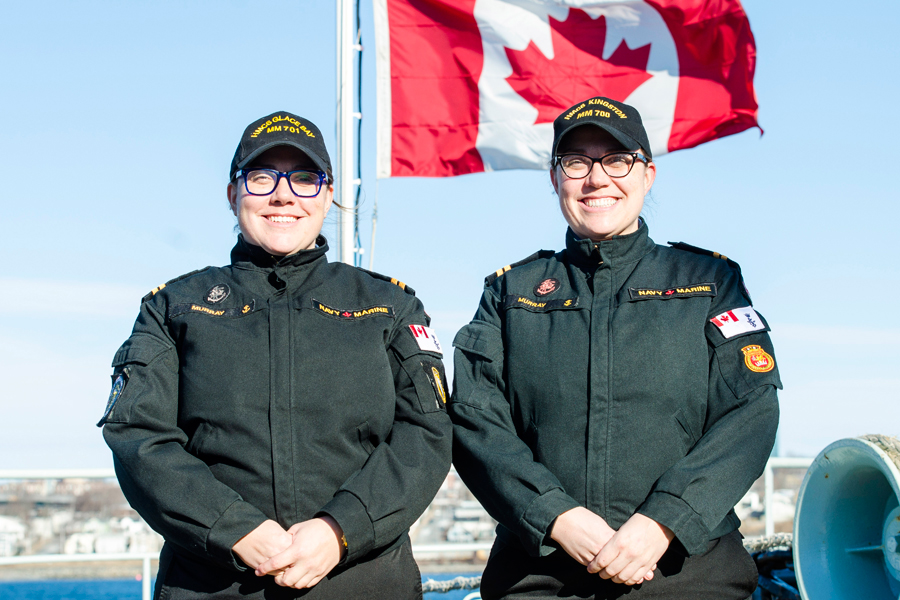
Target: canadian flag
[[466, 86]]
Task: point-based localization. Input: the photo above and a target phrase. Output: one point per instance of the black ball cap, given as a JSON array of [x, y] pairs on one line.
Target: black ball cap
[[281, 129], [622, 121]]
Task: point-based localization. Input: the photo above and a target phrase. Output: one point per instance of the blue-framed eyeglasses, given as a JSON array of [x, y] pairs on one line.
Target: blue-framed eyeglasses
[[262, 182], [615, 164]]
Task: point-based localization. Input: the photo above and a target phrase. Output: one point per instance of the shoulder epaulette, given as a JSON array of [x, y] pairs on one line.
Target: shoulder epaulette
[[156, 290], [703, 251], [393, 280], [490, 279]]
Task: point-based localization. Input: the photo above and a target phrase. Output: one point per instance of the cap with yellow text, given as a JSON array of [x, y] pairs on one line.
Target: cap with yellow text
[[622, 121], [281, 129]]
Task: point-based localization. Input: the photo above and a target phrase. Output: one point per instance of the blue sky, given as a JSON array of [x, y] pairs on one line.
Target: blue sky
[[104, 102]]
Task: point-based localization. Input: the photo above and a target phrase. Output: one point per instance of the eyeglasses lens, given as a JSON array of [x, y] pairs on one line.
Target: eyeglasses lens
[[577, 166], [262, 182]]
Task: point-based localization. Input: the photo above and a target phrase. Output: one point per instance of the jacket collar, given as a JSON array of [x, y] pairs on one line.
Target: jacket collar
[[245, 252], [615, 252]]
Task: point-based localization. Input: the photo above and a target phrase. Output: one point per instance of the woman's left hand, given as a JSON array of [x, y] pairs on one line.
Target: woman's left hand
[[632, 553], [316, 549]]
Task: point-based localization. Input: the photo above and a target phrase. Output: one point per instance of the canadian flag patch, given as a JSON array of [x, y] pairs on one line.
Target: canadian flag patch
[[426, 338], [737, 321]]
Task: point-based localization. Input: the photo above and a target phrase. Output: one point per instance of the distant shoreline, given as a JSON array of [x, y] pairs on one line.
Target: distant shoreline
[[132, 570]]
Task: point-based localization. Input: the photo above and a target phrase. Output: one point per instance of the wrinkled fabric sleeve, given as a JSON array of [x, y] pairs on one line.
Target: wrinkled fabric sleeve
[[493, 461], [174, 491], [695, 495], [402, 475]]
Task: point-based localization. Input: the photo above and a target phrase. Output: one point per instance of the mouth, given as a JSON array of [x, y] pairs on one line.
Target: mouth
[[604, 202], [281, 219]]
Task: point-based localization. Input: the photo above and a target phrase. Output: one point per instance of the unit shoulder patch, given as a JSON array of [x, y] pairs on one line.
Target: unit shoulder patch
[[117, 388], [758, 360], [490, 279]]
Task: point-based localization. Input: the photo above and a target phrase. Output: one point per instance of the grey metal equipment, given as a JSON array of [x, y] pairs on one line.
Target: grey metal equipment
[[847, 522]]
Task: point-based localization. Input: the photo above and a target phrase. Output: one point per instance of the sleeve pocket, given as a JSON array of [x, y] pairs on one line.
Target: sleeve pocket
[[478, 363], [747, 363], [429, 382], [129, 370]]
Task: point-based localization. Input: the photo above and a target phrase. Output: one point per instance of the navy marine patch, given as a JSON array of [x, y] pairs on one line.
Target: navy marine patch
[[353, 314], [679, 291]]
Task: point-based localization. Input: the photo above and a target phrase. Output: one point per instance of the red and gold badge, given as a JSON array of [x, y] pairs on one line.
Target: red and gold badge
[[757, 359]]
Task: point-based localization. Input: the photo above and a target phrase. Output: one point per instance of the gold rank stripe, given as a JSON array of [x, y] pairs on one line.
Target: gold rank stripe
[[156, 289], [500, 272], [396, 281]]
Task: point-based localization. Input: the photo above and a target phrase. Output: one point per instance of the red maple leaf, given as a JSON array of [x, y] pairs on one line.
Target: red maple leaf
[[578, 70]]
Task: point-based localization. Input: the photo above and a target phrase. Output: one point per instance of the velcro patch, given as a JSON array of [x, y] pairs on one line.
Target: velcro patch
[[737, 321], [434, 377], [426, 338], [176, 310], [354, 313], [681, 291], [757, 359], [514, 301], [117, 389]]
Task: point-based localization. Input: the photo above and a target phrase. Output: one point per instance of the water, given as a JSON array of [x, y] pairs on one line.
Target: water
[[130, 589]]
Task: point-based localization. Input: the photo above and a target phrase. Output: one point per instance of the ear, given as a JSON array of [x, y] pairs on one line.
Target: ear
[[649, 175], [232, 198], [329, 198]]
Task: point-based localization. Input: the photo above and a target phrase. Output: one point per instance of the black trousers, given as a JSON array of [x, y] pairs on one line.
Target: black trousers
[[393, 575], [724, 572]]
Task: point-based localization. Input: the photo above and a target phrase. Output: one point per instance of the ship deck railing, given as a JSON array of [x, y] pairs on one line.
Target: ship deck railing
[[421, 550]]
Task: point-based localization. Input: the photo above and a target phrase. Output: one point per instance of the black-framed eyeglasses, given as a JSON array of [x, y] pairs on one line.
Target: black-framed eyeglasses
[[262, 182], [614, 164]]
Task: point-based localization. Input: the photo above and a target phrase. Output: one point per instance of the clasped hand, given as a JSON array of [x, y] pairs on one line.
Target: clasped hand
[[299, 557], [627, 556]]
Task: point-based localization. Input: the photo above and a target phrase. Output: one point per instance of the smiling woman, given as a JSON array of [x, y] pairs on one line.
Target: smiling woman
[[605, 411], [281, 420]]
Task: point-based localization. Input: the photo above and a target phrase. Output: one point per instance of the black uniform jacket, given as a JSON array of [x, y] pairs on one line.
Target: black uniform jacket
[[594, 377], [278, 389]]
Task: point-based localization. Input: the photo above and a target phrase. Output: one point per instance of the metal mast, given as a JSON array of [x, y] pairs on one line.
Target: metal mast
[[346, 180]]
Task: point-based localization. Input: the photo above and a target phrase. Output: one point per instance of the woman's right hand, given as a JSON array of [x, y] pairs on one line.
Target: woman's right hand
[[581, 533], [262, 543]]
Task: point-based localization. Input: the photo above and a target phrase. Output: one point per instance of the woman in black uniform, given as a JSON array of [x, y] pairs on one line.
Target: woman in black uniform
[[613, 401], [281, 420]]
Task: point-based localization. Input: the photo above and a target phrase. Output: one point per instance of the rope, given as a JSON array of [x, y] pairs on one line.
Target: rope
[[779, 540], [889, 445], [459, 583]]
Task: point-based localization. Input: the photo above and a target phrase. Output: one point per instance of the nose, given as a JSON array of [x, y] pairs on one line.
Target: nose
[[283, 193], [597, 177]]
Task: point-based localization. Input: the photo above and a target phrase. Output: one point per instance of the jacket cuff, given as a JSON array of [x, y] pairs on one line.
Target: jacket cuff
[[238, 520], [353, 518], [677, 515], [539, 516]]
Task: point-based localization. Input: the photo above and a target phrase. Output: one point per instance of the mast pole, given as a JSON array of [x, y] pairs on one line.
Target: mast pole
[[346, 181]]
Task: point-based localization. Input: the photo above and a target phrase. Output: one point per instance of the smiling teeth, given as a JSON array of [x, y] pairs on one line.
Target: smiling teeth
[[600, 202], [282, 219]]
